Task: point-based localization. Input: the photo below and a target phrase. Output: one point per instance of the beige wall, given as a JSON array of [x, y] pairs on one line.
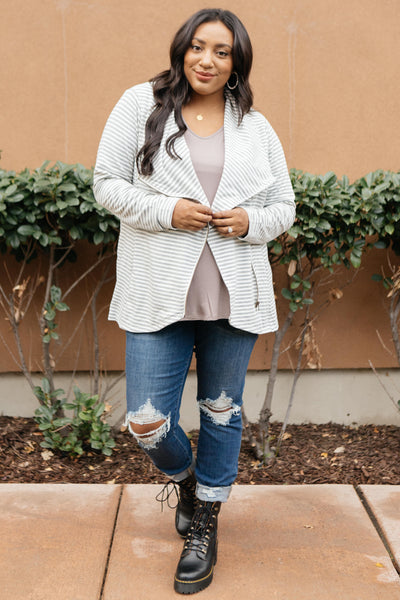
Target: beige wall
[[349, 333], [325, 74], [346, 397]]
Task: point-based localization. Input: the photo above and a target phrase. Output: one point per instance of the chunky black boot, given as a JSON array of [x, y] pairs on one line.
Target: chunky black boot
[[185, 491], [196, 566], [187, 503]]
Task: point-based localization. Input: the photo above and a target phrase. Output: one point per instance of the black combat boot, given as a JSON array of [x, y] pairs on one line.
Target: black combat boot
[[185, 491], [187, 503], [196, 566]]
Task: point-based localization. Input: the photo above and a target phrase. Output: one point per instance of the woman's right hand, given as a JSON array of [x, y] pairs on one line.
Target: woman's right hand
[[190, 215]]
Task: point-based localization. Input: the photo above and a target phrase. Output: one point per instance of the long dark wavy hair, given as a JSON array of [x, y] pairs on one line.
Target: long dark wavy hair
[[172, 90]]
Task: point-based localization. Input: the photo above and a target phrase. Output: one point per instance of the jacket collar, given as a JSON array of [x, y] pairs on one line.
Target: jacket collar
[[246, 171]]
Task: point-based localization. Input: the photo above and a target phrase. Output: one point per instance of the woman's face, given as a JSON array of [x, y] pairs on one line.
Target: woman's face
[[208, 61]]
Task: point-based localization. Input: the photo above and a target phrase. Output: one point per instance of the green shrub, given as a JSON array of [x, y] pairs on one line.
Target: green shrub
[[51, 206], [84, 428]]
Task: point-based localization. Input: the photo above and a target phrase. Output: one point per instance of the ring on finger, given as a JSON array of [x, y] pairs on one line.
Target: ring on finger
[[230, 229]]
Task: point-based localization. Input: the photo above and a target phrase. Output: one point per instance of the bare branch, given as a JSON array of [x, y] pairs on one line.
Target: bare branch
[[24, 262], [247, 432], [63, 257], [31, 295], [23, 365], [9, 309], [75, 365], [96, 370], [78, 326], [10, 352], [3, 300], [265, 413], [85, 273], [47, 368], [395, 404], [110, 386], [383, 343], [10, 281], [394, 326], [3, 293], [295, 380]]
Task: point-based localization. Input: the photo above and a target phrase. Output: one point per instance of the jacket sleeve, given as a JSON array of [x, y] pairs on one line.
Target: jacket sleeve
[[278, 212], [114, 172]]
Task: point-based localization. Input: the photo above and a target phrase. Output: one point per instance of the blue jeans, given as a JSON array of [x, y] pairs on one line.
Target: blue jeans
[[156, 369]]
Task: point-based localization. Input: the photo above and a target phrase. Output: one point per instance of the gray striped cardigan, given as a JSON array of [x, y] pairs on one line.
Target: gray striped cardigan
[[156, 262]]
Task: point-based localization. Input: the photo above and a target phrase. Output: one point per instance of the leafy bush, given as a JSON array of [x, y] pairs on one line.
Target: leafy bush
[[377, 197], [51, 206], [337, 222], [44, 213], [85, 427]]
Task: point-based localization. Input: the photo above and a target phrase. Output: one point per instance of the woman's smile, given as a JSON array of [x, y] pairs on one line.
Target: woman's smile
[[204, 76]]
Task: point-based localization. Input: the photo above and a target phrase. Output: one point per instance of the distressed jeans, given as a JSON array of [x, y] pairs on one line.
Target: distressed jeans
[[156, 369]]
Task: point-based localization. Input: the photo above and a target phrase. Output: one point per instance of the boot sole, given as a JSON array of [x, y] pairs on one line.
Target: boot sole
[[191, 587]]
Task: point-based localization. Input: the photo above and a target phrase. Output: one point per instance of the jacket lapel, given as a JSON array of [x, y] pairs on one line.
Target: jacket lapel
[[175, 177], [246, 169]]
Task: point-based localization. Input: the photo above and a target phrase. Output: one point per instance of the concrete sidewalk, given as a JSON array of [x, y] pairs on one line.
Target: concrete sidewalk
[[111, 542]]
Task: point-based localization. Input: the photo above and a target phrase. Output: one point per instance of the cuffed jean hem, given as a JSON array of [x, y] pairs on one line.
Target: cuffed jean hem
[[183, 474], [213, 494]]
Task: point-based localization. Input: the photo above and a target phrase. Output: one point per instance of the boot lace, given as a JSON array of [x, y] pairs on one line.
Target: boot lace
[[164, 496], [198, 537], [184, 491]]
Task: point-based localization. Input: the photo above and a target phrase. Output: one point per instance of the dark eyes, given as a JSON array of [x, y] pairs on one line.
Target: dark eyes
[[220, 53]]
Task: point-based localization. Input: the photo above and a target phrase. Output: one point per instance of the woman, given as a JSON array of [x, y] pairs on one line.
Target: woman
[[200, 184]]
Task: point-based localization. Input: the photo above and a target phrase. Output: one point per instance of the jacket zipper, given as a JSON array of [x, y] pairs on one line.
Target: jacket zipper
[[257, 302]]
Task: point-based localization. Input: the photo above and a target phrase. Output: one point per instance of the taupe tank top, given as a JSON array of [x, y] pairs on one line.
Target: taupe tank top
[[208, 297]]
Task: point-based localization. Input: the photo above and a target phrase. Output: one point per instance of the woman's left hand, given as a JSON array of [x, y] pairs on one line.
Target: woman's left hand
[[231, 223]]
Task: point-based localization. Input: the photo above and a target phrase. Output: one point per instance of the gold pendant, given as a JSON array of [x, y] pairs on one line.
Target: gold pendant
[[199, 117]]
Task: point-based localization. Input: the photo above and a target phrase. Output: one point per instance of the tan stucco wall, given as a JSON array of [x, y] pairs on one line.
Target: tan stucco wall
[[349, 333], [325, 74]]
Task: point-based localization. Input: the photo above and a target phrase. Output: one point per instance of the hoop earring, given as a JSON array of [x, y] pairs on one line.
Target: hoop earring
[[233, 87]]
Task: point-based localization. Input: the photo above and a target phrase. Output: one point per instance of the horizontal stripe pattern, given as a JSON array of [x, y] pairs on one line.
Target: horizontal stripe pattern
[[155, 262]]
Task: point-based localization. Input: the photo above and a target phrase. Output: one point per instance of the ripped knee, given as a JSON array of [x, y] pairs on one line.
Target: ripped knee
[[220, 410], [148, 425], [145, 430]]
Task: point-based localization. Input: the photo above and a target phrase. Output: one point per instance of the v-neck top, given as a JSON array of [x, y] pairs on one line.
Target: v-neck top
[[208, 296]]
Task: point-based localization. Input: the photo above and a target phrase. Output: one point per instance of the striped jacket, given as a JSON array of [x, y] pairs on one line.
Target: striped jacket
[[156, 262]]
